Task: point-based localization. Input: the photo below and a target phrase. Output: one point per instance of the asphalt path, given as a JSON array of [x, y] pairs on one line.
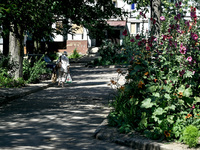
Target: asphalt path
[[59, 118]]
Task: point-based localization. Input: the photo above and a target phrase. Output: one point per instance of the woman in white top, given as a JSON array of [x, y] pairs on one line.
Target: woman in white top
[[63, 70]]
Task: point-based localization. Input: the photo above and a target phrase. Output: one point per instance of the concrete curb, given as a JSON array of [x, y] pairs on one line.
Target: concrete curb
[[135, 141], [7, 95]]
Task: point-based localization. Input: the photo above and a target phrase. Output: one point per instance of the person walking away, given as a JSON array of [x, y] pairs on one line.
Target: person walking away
[[63, 68]]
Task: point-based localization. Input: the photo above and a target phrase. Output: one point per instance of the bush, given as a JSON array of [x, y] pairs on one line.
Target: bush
[[111, 54], [33, 74], [191, 136], [7, 81], [75, 55], [7, 68]]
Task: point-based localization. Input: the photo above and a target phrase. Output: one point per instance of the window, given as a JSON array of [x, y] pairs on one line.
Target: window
[[133, 31]]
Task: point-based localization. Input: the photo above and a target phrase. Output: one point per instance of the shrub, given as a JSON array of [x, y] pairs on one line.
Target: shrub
[[75, 55], [111, 54], [7, 68], [191, 136], [33, 74], [7, 81]]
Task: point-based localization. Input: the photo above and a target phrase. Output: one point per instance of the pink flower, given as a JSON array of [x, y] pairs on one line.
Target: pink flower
[[147, 48], [132, 40], [189, 59], [141, 13], [193, 107], [125, 33], [162, 18], [182, 49], [194, 36]]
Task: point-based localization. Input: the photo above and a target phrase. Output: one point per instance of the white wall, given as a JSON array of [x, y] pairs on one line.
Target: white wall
[[1, 45]]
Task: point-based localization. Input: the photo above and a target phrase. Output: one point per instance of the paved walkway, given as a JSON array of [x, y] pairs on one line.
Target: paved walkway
[[59, 118], [56, 118]]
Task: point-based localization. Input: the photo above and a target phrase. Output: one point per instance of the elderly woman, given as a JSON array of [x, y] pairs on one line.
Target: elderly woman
[[63, 68]]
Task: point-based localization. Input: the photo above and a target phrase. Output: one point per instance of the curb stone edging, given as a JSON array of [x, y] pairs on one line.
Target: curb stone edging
[[8, 98], [135, 141]]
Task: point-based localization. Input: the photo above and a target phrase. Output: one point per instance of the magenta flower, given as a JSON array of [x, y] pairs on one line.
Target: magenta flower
[[181, 73], [147, 48], [182, 49], [162, 18], [187, 23], [137, 36], [193, 107], [132, 40], [124, 33], [179, 16], [194, 36], [193, 14], [141, 13], [189, 59], [139, 43]]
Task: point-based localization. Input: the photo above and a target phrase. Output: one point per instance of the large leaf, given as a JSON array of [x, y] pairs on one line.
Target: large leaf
[[137, 68], [151, 89], [188, 74], [167, 96], [147, 103], [159, 111]]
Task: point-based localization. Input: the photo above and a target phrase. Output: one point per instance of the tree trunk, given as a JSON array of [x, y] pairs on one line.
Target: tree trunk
[[155, 14], [16, 52], [5, 36]]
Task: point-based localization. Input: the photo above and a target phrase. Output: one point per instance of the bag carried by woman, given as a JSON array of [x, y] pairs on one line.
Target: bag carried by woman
[[68, 78]]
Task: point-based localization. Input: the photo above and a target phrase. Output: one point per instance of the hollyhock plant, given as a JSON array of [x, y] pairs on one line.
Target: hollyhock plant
[[156, 103]]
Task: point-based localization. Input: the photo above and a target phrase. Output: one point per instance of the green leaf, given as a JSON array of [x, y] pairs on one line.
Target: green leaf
[[170, 119], [137, 68], [172, 107], [156, 94], [151, 89], [167, 96], [187, 92], [147, 103], [188, 74], [159, 111]]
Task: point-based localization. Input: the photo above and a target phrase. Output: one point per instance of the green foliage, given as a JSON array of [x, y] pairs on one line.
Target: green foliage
[[161, 94], [32, 73], [7, 67], [75, 55], [111, 54], [191, 136]]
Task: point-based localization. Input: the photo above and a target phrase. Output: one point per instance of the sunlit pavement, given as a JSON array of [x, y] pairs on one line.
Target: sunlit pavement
[[60, 118]]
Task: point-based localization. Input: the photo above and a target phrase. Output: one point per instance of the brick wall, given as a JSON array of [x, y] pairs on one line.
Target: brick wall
[[79, 45]]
